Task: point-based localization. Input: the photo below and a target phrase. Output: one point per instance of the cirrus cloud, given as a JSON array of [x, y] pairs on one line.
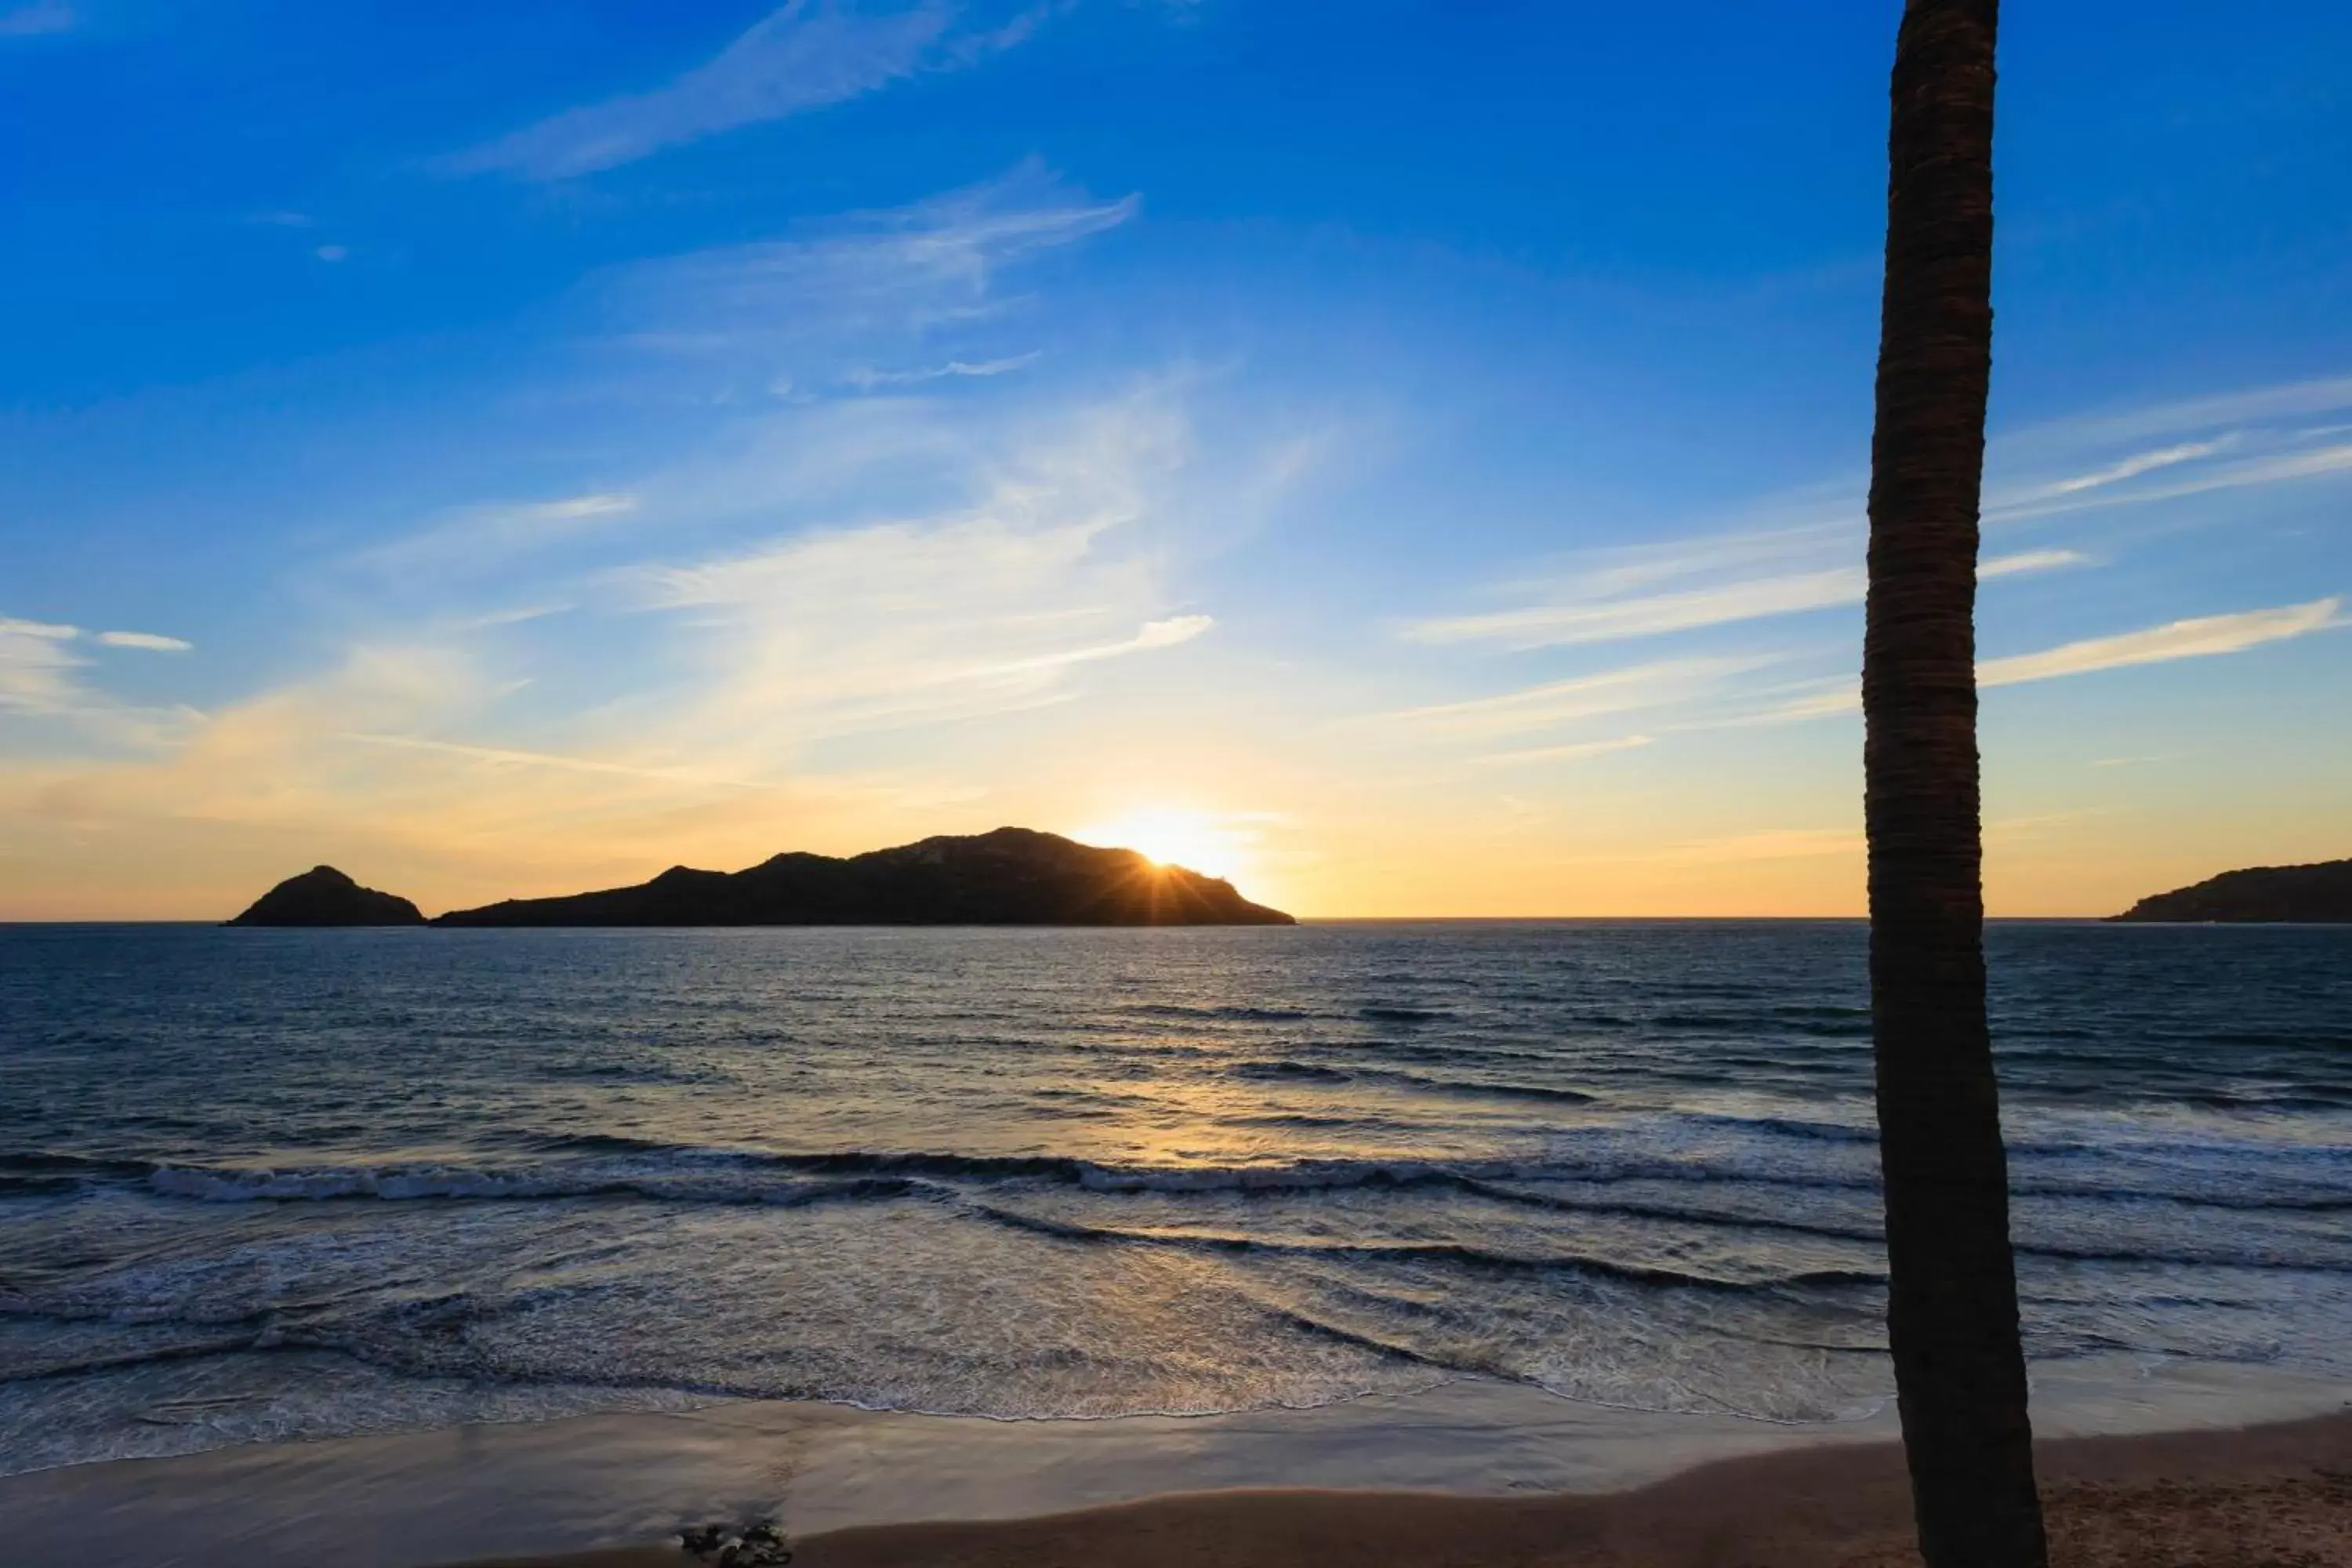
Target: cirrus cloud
[[153, 642], [807, 55], [2200, 636]]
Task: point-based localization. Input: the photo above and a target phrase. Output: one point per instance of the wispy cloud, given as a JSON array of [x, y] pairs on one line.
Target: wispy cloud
[[38, 20], [1553, 704], [30, 636], [731, 328], [867, 269], [1735, 581], [2199, 637], [509, 756], [985, 606], [868, 378], [42, 681], [1572, 752], [2113, 473], [2261, 406], [873, 301], [485, 537], [2026, 561], [1170, 632], [2239, 441], [2097, 490], [39, 631], [1649, 614], [807, 55], [35, 668]]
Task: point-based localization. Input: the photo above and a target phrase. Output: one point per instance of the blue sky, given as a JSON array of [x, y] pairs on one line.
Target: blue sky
[[1409, 453]]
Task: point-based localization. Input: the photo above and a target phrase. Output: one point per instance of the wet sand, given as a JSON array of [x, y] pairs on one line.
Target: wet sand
[[2270, 1497], [1471, 1472]]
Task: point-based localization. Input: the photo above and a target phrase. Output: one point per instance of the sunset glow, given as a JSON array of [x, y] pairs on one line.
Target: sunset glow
[[1197, 841], [645, 458]]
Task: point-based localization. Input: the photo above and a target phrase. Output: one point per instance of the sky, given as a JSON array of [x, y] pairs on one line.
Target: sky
[[1408, 456]]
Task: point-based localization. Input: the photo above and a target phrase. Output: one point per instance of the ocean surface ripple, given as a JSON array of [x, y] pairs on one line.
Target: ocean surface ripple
[[262, 1184]]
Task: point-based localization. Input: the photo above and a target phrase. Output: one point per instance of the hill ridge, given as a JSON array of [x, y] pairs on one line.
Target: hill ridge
[[2317, 893], [1010, 876]]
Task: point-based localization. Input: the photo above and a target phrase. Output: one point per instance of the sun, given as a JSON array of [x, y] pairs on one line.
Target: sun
[[1198, 841]]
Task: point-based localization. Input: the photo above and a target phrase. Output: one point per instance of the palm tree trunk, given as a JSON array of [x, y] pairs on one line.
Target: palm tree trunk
[[1959, 1370]]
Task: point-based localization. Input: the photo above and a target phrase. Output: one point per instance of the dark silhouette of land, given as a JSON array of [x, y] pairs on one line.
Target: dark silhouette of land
[[323, 896], [2320, 894], [1011, 877]]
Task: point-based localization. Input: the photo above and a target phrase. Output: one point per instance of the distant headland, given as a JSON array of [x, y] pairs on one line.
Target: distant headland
[[1014, 876], [2318, 894]]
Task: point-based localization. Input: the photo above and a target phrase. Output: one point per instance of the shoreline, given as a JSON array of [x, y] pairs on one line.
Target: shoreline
[[591, 1484]]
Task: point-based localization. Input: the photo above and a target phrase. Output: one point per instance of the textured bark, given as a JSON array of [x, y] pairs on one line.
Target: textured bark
[[1952, 1298]]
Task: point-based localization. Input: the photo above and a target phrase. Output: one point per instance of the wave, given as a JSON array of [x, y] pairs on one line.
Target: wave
[[1503, 1090], [1451, 1252], [697, 1175], [1749, 1022], [1311, 1072], [412, 1184], [1790, 1126], [692, 1175], [1686, 1214], [24, 1175], [124, 1360], [1289, 1072], [1227, 1013]]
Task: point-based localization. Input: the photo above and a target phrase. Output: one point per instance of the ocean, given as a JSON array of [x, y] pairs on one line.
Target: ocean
[[267, 1184]]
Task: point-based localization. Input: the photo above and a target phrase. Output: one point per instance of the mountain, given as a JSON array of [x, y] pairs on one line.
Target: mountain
[[2318, 894], [323, 896], [1010, 876]]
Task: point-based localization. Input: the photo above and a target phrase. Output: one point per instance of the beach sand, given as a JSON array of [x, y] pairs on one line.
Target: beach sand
[[2270, 1497], [1470, 1472]]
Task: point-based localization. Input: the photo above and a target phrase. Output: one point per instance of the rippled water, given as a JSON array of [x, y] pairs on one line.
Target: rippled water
[[267, 1184]]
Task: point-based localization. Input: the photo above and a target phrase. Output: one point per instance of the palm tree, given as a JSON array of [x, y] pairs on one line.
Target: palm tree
[[1959, 1370]]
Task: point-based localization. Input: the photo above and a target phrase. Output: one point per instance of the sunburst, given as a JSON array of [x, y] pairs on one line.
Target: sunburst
[[1198, 841]]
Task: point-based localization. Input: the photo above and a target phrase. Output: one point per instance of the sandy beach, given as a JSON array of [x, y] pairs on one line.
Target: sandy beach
[[1471, 1473], [2264, 1496]]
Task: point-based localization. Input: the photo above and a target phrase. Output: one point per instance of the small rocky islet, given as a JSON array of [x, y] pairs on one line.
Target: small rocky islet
[[323, 896]]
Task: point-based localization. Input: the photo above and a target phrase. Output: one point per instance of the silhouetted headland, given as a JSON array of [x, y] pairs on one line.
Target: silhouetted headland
[[1011, 877], [2320, 894], [323, 896]]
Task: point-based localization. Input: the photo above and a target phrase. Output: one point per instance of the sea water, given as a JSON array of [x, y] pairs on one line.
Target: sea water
[[259, 1184]]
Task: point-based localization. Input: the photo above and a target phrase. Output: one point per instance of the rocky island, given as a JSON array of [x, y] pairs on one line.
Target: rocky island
[[323, 896], [2317, 894], [1011, 877]]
